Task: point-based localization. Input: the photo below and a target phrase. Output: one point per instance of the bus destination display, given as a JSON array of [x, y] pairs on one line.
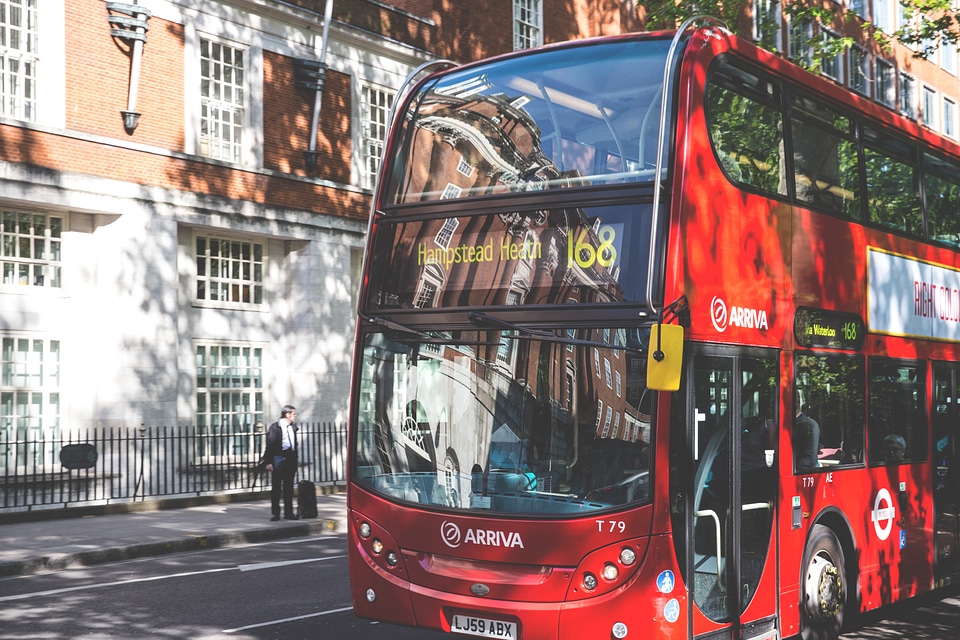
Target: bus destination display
[[828, 329]]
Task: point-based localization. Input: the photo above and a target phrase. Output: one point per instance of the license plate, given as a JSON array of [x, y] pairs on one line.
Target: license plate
[[484, 627]]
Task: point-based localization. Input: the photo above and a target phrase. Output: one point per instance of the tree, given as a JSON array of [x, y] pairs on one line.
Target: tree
[[926, 24]]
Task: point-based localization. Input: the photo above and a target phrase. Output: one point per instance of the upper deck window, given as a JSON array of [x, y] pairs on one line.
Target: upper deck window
[[583, 115], [746, 128]]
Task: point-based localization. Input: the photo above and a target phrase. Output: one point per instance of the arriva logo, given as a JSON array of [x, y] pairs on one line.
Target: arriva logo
[[737, 317], [453, 537]]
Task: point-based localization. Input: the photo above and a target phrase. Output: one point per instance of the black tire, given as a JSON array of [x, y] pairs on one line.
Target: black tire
[[824, 592]]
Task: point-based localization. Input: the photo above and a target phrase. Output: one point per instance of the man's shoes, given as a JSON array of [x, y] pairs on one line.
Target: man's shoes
[[274, 518], [291, 517]]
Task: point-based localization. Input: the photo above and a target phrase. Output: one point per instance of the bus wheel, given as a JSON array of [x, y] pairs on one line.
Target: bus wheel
[[823, 596]]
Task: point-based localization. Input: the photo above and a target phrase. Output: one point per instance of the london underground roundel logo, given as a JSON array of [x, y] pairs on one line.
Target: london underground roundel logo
[[718, 314], [450, 533]]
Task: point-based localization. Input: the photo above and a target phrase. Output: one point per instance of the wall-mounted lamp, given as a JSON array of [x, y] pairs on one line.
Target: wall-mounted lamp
[[129, 23], [311, 74]]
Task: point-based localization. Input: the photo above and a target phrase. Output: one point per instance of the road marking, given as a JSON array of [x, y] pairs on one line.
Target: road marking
[[53, 592], [283, 620], [102, 585], [274, 565]]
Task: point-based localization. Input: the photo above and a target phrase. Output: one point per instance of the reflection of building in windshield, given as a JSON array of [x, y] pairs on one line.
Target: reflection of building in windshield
[[456, 426], [474, 144], [549, 257]]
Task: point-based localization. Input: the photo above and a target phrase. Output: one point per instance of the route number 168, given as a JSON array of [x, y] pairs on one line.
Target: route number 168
[[583, 254]]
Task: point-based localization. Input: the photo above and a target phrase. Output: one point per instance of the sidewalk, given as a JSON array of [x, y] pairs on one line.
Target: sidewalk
[[32, 547]]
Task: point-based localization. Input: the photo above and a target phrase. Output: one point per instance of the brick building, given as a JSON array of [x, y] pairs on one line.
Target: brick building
[[177, 248]]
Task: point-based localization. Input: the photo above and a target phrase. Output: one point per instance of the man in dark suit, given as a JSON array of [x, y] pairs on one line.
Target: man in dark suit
[[280, 458]]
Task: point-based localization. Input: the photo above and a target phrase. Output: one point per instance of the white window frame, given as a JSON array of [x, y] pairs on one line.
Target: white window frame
[[19, 61], [207, 27], [950, 123], [859, 7], [443, 237], [948, 57], [859, 71], [38, 234], [799, 33], [885, 85], [769, 9], [832, 67], [931, 107], [527, 24], [223, 99], [883, 15], [239, 367], [30, 399], [375, 103], [907, 93], [240, 279]]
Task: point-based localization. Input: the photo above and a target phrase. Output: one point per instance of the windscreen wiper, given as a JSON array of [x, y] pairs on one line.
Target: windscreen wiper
[[524, 333]]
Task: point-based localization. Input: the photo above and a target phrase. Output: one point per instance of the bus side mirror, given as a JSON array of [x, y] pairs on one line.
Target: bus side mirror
[[665, 357]]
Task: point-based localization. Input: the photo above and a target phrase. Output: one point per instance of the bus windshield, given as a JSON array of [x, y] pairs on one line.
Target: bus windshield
[[579, 116], [505, 422]]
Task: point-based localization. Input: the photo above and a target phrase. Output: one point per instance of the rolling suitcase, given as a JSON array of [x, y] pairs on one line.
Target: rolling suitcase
[[307, 499]]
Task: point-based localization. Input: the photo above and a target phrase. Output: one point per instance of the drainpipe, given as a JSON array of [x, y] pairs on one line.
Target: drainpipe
[[129, 22], [319, 73]]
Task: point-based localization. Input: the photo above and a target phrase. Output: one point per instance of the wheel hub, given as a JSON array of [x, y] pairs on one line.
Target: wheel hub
[[824, 589]]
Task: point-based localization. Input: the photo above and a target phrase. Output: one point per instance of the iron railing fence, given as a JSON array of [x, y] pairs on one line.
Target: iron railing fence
[[115, 465]]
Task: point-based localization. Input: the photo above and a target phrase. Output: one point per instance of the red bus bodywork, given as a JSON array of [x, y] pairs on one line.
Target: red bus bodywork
[[754, 255]]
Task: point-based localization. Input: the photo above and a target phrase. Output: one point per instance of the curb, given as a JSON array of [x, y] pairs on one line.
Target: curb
[[60, 561]]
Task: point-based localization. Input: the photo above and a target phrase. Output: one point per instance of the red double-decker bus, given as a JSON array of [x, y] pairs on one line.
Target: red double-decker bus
[[659, 337]]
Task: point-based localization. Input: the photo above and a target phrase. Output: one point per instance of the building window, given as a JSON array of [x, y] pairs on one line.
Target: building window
[[451, 192], [948, 56], [229, 270], [859, 72], [886, 89], [29, 400], [908, 95], [375, 103], [229, 399], [800, 35], [831, 64], [859, 7], [446, 232], [883, 15], [931, 108], [222, 101], [766, 24], [949, 118], [18, 59], [30, 249], [527, 24]]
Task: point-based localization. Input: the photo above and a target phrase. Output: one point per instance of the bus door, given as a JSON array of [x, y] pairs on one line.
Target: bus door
[[946, 483], [724, 482]]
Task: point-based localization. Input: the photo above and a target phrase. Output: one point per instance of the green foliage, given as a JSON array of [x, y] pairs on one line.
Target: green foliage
[[927, 24]]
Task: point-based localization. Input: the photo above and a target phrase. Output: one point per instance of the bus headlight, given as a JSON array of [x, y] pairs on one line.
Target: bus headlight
[[377, 546], [365, 530], [627, 556], [392, 559]]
